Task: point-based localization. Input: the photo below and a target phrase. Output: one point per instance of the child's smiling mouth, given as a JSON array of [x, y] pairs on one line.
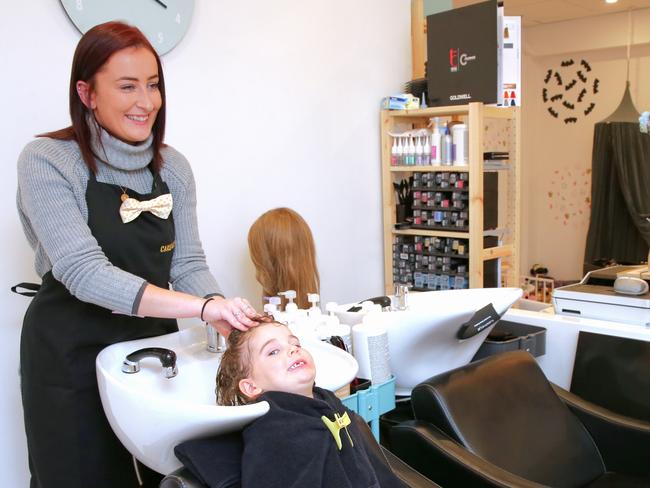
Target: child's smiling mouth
[[296, 365]]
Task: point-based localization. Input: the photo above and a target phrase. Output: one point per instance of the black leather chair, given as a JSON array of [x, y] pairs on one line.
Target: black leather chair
[[182, 478], [500, 422]]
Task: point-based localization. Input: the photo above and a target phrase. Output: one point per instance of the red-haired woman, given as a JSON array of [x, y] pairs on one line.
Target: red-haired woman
[[110, 211]]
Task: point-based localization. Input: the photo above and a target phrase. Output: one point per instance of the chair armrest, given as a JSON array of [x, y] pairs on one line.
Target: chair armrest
[[378, 454], [181, 478], [622, 441], [406, 473], [441, 459]]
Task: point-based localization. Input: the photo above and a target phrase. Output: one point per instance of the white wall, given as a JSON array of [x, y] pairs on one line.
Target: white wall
[[274, 103], [557, 156]]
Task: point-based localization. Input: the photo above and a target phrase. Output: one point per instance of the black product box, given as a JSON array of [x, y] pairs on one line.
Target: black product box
[[462, 52], [513, 336]]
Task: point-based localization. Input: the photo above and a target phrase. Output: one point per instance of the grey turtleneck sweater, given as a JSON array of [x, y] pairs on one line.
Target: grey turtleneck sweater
[[52, 180]]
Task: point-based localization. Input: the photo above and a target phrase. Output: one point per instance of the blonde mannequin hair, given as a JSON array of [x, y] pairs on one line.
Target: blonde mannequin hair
[[282, 249]]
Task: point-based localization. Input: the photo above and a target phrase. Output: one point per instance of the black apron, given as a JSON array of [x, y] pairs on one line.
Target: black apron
[[70, 442]]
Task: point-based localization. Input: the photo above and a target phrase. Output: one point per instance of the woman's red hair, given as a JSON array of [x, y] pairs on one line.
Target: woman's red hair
[[93, 51]]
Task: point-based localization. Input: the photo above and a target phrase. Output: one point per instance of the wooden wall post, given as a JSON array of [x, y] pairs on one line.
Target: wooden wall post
[[418, 39]]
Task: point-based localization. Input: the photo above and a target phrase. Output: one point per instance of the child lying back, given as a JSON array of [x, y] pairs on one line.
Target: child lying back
[[308, 438]]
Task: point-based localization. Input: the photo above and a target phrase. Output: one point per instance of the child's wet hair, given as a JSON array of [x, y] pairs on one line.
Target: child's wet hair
[[236, 365]]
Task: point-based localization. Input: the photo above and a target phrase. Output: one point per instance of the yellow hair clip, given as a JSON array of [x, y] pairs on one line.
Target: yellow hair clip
[[335, 426]]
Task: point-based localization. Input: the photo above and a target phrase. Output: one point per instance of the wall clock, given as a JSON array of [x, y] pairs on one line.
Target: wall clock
[[164, 22]]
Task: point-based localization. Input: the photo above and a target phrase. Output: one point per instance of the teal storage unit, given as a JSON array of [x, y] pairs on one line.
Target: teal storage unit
[[373, 402]]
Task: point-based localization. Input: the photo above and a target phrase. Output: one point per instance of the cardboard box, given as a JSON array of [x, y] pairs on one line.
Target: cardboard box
[[462, 47]]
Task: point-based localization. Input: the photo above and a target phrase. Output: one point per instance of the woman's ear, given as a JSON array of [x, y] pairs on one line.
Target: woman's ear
[[85, 94], [248, 387]]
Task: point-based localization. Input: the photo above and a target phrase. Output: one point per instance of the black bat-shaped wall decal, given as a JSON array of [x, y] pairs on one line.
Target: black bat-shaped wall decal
[[582, 95], [549, 73], [571, 85]]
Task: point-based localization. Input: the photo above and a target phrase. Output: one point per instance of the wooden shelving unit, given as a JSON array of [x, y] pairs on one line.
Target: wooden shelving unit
[[490, 129]]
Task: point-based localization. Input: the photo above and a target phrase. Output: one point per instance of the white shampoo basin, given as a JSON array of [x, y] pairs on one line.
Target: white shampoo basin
[[422, 340], [152, 414]]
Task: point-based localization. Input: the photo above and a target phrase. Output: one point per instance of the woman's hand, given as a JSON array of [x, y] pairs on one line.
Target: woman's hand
[[226, 314]]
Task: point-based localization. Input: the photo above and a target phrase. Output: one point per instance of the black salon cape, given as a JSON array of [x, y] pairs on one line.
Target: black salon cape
[[290, 447]]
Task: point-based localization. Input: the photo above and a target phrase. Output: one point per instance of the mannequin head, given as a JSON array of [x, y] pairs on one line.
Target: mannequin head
[[282, 249]]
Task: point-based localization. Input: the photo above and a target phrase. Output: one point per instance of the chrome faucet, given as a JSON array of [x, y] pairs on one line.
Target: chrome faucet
[[167, 359], [215, 341]]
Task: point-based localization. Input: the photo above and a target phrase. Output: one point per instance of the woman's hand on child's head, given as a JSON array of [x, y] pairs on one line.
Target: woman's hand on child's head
[[228, 313]]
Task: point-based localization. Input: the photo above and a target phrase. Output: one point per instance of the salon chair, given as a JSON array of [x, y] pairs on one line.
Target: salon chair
[[183, 478], [500, 422]]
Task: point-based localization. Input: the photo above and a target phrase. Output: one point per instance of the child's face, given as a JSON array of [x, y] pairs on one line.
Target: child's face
[[278, 363]]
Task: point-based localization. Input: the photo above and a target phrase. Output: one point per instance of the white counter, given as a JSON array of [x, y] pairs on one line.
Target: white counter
[[562, 338]]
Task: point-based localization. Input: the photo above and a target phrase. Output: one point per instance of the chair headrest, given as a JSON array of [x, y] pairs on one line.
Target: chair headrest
[[504, 410]]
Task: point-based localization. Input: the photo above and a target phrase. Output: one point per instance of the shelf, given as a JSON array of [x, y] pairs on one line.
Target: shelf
[[490, 128], [431, 233], [435, 254], [429, 169], [440, 209], [435, 189], [497, 252], [451, 274], [488, 111]]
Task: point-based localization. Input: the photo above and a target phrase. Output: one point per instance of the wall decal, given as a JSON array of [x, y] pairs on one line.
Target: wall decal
[[568, 91], [569, 196]]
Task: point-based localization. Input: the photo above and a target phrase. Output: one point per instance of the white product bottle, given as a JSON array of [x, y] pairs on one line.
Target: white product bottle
[[393, 153], [461, 144], [314, 310], [418, 152], [411, 152], [272, 307], [290, 295], [426, 152], [399, 155], [435, 143]]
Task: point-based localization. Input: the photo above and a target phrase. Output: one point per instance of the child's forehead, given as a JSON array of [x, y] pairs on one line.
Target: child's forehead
[[269, 330]]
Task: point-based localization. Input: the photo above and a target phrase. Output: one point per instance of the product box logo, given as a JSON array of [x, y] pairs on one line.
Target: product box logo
[[458, 59]]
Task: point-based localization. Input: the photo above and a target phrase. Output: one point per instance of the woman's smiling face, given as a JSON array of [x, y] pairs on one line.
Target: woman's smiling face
[[125, 95], [278, 363]]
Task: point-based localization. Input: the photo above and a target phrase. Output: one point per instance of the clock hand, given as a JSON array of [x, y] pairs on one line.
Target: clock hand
[[160, 3]]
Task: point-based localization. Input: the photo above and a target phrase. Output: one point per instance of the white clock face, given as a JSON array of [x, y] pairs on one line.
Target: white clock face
[[164, 22]]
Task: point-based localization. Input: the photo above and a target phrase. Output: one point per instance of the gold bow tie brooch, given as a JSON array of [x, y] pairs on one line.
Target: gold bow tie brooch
[[160, 206]]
